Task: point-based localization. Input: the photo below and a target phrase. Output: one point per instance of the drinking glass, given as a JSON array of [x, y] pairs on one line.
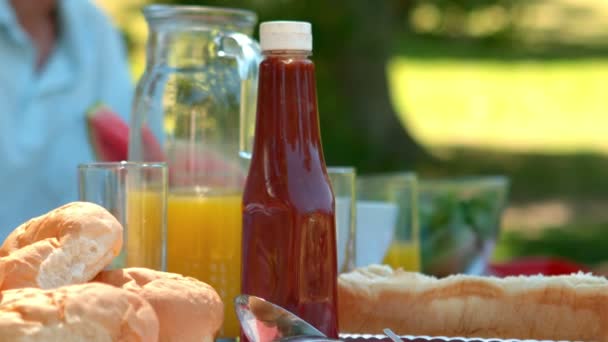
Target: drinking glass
[[135, 193], [343, 183], [387, 221]]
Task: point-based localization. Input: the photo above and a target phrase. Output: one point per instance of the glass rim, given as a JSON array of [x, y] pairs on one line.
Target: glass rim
[[480, 180], [122, 164], [216, 15], [342, 169], [407, 176]]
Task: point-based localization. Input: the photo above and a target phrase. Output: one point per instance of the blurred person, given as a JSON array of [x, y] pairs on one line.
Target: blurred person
[[58, 58]]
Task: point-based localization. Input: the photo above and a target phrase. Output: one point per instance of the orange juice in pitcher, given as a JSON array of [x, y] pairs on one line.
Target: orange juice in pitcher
[[204, 242]]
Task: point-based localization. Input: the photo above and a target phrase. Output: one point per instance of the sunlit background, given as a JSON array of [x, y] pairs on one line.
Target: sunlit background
[[485, 87]]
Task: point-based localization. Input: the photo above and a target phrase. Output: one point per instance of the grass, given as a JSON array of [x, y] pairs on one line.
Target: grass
[[536, 114], [553, 106]]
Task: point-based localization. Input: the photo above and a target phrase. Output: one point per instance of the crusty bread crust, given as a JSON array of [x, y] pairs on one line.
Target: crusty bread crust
[[68, 245], [188, 309], [79, 313], [573, 307]]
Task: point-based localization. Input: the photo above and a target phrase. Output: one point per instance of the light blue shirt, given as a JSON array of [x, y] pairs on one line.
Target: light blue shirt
[[43, 129]]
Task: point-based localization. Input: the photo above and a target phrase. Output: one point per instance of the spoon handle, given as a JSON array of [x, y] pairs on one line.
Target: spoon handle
[[392, 335]]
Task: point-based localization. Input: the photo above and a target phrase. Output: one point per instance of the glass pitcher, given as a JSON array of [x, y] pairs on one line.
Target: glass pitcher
[[195, 109]]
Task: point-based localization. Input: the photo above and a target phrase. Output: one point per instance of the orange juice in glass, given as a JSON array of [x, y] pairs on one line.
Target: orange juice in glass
[[135, 193], [204, 242], [145, 230], [404, 254], [387, 220]]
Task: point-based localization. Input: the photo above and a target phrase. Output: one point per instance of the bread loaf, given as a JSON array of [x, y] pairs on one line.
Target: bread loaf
[[79, 313], [573, 307], [188, 309], [68, 245]]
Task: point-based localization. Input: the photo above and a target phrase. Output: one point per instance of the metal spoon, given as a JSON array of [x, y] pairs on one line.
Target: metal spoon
[[392, 335], [263, 321]]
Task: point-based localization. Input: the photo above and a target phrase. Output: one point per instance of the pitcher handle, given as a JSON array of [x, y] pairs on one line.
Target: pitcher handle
[[248, 56]]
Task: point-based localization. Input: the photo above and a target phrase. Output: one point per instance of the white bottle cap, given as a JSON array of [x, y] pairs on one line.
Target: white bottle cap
[[285, 35]]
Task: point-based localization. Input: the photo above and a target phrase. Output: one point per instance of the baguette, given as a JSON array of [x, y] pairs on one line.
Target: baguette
[[188, 310], [68, 245], [573, 307], [90, 312]]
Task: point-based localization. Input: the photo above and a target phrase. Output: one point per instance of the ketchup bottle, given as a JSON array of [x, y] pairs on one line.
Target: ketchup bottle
[[289, 235]]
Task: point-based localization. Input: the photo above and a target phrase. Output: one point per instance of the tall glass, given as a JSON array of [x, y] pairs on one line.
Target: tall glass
[[135, 193], [195, 108], [343, 184], [387, 221]]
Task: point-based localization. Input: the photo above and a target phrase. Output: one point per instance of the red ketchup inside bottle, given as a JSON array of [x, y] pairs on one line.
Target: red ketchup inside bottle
[[289, 236]]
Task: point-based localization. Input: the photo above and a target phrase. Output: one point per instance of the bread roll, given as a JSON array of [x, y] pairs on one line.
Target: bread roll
[[68, 245], [188, 309], [78, 313], [573, 307]]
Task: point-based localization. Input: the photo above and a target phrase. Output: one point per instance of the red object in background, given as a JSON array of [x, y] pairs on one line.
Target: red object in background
[[535, 266], [289, 235], [109, 135]]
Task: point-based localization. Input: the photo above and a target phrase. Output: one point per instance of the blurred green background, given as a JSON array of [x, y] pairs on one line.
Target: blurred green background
[[462, 87]]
